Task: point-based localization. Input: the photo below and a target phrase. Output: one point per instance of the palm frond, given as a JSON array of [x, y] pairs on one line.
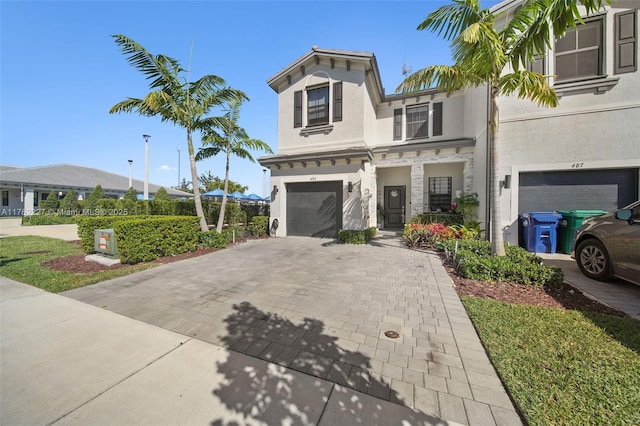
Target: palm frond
[[453, 18], [156, 68], [447, 78], [207, 152], [534, 28], [529, 85]]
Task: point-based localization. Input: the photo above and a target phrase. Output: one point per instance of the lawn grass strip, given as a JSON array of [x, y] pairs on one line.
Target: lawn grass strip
[[17, 265], [562, 367]]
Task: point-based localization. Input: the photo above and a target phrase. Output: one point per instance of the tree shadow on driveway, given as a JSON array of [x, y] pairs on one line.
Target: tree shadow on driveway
[[275, 392]]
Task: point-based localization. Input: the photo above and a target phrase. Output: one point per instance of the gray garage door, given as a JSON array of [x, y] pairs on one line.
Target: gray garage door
[[580, 189], [314, 209]]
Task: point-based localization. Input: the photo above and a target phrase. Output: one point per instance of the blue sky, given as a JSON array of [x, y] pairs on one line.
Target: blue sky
[[62, 72]]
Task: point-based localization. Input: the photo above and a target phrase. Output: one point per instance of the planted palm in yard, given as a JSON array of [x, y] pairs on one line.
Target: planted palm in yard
[[487, 54], [176, 99]]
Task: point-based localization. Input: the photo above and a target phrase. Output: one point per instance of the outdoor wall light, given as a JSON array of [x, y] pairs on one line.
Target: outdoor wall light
[[506, 183], [275, 189], [350, 186]]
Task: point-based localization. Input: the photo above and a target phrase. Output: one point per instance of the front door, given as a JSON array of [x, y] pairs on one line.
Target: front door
[[394, 206]]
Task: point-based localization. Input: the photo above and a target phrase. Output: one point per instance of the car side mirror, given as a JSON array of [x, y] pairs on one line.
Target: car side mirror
[[624, 215]]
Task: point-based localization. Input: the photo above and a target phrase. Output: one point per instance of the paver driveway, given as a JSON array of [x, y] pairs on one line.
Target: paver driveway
[[322, 308]]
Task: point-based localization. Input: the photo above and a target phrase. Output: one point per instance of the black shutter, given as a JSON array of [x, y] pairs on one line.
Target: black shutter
[[297, 109], [397, 124], [437, 119], [625, 42], [337, 101]]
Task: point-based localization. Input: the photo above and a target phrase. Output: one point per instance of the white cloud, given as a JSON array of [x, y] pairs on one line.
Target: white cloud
[[165, 168]]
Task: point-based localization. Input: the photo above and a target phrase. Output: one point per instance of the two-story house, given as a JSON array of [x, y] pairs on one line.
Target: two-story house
[[345, 147], [585, 153]]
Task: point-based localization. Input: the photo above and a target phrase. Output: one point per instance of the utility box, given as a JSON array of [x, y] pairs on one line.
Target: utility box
[[105, 243]]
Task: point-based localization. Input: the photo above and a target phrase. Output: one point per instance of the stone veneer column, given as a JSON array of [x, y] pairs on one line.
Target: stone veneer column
[[417, 191]]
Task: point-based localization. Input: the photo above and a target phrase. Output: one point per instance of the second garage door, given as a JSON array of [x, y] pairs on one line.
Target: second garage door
[[314, 209], [576, 190]]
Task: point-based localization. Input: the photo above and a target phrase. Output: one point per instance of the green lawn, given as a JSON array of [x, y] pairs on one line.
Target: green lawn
[[20, 259], [563, 367]]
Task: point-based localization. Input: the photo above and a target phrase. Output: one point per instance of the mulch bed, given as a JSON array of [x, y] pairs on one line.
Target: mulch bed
[[77, 265]]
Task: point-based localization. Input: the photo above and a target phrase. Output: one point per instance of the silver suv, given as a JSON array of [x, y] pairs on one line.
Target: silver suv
[[608, 246]]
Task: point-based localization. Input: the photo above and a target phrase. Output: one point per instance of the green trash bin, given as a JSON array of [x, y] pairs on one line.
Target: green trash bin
[[569, 224]]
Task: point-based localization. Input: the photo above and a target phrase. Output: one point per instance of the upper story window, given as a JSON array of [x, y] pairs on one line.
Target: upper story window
[[579, 52], [5, 198], [418, 121], [317, 105]]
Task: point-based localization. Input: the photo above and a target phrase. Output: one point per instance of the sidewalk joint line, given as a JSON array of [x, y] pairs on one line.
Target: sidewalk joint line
[[118, 382]]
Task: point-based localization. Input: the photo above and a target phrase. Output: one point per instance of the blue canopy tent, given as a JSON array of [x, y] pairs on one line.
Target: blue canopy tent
[[217, 193], [254, 197], [237, 195]]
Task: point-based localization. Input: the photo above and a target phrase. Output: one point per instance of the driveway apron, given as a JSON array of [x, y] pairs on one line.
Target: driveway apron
[[324, 309]]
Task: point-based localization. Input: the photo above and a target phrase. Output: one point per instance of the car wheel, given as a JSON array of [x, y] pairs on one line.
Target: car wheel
[[593, 260]]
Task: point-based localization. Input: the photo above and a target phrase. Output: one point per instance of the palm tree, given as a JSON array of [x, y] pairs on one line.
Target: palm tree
[[234, 140], [486, 55], [175, 99]]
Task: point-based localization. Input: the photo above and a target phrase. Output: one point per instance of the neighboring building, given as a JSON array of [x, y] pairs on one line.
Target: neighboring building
[[344, 146], [24, 188], [585, 153]]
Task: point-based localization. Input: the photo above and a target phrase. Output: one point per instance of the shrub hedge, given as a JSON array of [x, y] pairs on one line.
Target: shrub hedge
[[473, 259], [351, 236], [213, 239], [142, 240], [259, 226], [444, 218], [87, 225], [45, 219]]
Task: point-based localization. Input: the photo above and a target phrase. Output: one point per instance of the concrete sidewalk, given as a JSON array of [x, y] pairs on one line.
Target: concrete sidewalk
[[68, 363], [11, 227]]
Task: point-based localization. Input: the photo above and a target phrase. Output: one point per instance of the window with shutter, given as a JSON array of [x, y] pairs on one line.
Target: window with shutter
[[397, 124], [337, 101], [579, 52], [418, 121], [297, 109], [318, 106], [625, 42], [437, 119]]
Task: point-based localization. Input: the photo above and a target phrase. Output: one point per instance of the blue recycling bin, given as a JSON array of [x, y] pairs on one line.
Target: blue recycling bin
[[539, 231]]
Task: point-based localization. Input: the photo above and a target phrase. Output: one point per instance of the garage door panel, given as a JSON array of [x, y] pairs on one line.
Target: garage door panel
[[314, 209], [571, 190]]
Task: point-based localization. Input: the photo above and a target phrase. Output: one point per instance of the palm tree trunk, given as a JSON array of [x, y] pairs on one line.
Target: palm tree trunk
[[194, 179], [497, 239], [223, 206]]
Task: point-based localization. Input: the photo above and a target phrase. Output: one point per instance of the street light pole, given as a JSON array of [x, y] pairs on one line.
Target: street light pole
[[178, 168], [130, 173], [146, 166], [264, 183]]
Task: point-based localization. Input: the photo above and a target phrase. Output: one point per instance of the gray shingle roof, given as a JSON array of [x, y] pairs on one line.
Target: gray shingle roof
[[77, 178]]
